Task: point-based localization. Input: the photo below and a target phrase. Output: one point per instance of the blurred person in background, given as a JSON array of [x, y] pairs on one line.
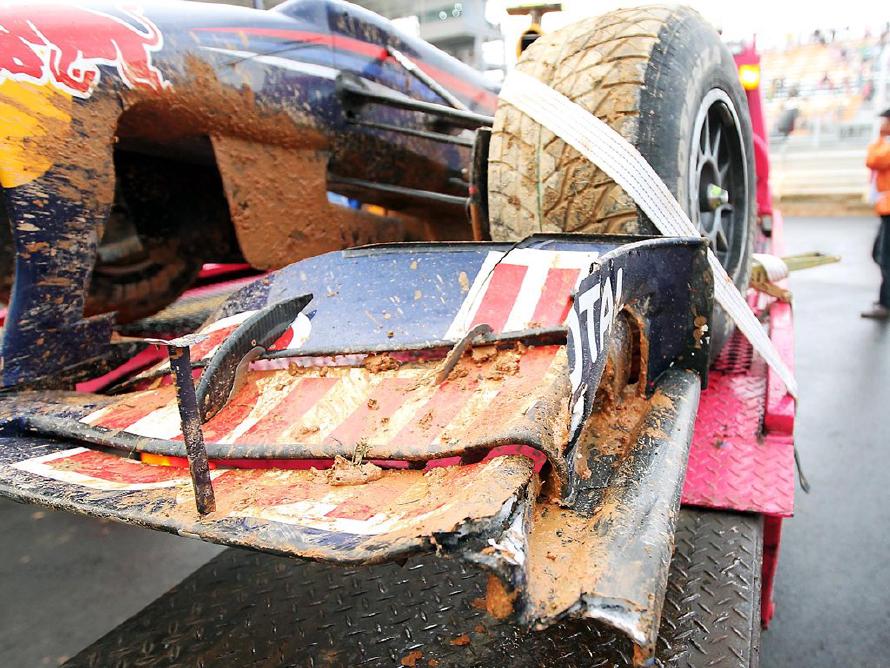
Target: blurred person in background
[[878, 160], [790, 111]]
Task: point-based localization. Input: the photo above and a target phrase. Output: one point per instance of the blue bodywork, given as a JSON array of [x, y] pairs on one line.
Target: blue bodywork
[[191, 81]]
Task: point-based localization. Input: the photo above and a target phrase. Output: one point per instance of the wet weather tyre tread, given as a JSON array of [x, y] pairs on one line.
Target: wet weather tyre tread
[[537, 182], [644, 72]]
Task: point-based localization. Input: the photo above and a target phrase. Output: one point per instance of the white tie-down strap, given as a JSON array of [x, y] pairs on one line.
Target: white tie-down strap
[[609, 151], [773, 265]]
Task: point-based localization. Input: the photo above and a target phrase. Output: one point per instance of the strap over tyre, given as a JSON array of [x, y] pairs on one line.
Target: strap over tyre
[[617, 157], [661, 77], [662, 81]]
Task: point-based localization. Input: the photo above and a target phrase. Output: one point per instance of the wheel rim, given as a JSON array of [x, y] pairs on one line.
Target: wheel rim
[[718, 178]]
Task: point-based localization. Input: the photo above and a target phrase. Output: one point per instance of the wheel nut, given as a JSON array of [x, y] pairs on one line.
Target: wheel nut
[[717, 196]]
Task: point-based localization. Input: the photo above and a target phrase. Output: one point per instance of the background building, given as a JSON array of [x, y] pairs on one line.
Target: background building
[[458, 28]]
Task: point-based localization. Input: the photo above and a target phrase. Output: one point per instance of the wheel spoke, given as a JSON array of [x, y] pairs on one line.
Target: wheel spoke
[[721, 242], [716, 147], [706, 137], [706, 222], [715, 181]]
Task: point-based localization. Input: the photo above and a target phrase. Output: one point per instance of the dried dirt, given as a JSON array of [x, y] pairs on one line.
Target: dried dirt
[[273, 162], [278, 203], [613, 429], [344, 472], [200, 102], [499, 601], [480, 354], [411, 658], [380, 363]]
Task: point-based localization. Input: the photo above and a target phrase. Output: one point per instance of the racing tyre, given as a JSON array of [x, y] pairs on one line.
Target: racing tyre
[[661, 77], [142, 285], [134, 285]]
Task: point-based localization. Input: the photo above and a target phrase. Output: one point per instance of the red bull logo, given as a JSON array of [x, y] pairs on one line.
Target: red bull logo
[[64, 45]]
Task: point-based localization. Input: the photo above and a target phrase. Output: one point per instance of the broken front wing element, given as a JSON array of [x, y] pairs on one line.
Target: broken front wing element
[[541, 452]]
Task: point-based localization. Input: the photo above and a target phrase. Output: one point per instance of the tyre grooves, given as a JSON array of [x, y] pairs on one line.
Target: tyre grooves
[[604, 63]]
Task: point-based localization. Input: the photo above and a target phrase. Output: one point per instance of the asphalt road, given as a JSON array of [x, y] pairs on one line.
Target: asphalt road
[[833, 589], [66, 580]]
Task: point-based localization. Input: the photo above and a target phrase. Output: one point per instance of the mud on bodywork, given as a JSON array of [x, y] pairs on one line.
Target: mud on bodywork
[[534, 451], [248, 96]]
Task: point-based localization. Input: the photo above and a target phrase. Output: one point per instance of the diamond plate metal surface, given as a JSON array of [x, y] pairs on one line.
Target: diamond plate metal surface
[[711, 614], [246, 608], [732, 464]]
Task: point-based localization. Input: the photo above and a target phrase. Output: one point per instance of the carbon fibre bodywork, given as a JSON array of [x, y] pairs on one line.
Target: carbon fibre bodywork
[[524, 408], [556, 443], [252, 103]]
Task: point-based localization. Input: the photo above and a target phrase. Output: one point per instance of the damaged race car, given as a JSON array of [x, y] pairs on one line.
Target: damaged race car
[[515, 389], [178, 134]]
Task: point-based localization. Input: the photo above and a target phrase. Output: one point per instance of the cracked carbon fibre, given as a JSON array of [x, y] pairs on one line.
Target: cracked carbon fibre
[[246, 608], [733, 464]]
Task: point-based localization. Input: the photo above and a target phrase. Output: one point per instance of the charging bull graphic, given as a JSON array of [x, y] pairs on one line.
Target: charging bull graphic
[[64, 45]]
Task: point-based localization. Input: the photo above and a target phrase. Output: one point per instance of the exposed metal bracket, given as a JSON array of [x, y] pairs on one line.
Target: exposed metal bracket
[[178, 350]]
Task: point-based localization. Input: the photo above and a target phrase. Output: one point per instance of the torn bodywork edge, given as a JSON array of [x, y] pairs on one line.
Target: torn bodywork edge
[[648, 492], [504, 552]]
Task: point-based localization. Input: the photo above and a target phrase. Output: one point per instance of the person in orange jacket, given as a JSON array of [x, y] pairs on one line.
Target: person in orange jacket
[[878, 160]]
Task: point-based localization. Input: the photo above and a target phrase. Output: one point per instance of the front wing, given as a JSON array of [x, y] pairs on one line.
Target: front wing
[[552, 453]]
